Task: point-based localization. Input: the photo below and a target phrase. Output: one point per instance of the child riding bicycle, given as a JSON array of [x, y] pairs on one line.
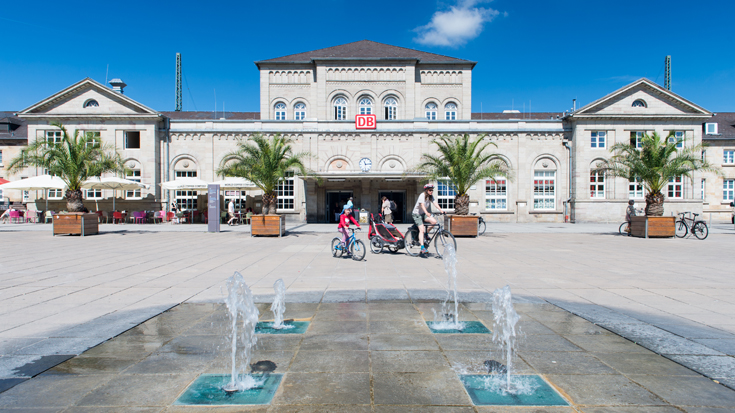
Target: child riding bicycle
[[421, 213], [344, 224]]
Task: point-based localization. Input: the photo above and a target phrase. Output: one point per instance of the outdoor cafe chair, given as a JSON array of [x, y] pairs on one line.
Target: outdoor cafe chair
[[14, 217], [139, 217], [158, 215], [117, 216], [49, 215], [99, 215], [31, 216]]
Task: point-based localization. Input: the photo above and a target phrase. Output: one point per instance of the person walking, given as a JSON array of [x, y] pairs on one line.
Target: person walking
[[387, 211], [231, 211]]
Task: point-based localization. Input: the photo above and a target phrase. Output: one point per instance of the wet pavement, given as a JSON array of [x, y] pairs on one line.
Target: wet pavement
[[370, 356]]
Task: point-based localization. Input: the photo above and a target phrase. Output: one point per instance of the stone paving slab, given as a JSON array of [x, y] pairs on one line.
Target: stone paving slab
[[352, 375], [61, 295]]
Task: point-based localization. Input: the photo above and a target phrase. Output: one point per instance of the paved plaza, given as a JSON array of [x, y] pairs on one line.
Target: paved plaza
[[672, 299]]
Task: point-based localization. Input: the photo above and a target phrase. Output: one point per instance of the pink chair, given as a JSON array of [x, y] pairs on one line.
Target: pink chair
[[139, 217], [31, 216], [159, 215], [14, 217]]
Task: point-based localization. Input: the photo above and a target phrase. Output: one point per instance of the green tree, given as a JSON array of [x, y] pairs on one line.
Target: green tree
[[462, 162], [75, 159], [264, 162], [655, 163]]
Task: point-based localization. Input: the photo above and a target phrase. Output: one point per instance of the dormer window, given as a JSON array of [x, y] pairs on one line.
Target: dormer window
[[639, 103], [91, 103], [710, 128]]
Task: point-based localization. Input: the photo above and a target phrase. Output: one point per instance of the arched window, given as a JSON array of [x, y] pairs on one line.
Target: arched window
[[299, 111], [340, 108], [450, 111], [280, 111], [431, 111], [639, 103], [391, 109], [366, 106], [91, 103]]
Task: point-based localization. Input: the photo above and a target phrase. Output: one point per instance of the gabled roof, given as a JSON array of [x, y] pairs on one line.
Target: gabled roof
[[36, 109], [18, 128], [725, 126], [365, 50], [692, 109]]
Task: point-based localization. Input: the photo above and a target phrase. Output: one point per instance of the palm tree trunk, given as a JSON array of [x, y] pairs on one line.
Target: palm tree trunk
[[462, 204], [74, 200], [270, 202], [655, 205]]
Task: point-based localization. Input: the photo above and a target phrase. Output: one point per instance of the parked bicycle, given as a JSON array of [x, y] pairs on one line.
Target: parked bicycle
[[434, 232], [481, 227], [355, 247], [692, 225]]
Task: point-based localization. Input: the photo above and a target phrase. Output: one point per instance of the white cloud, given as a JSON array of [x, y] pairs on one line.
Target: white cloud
[[457, 25]]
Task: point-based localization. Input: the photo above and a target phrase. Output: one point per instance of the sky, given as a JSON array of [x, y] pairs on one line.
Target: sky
[[532, 55]]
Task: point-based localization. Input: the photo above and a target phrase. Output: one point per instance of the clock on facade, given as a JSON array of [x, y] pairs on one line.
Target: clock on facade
[[366, 164]]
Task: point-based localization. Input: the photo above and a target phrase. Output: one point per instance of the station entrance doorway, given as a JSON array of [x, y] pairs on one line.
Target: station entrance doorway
[[399, 197], [335, 201]]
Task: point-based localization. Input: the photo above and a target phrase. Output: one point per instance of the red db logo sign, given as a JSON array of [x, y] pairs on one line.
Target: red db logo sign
[[365, 121]]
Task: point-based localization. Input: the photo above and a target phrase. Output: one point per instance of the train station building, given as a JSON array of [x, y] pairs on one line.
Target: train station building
[[313, 98]]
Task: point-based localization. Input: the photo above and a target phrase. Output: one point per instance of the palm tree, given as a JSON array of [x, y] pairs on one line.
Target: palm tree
[[75, 159], [655, 164], [463, 163], [264, 162]]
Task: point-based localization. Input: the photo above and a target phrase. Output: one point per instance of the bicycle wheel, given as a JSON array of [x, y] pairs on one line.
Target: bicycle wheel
[[623, 228], [481, 227], [413, 247], [336, 247], [442, 239], [700, 230], [376, 245], [357, 249], [681, 228]]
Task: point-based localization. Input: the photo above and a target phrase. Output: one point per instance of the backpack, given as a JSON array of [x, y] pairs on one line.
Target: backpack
[[393, 206]]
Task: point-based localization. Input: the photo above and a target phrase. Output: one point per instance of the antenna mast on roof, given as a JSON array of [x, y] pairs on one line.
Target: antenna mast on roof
[[178, 82], [667, 73]]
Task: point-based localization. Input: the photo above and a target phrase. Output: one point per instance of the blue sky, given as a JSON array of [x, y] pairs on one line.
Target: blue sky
[[531, 54]]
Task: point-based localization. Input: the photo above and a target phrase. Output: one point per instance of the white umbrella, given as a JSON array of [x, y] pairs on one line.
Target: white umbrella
[[233, 183], [114, 183], [185, 184], [37, 183]]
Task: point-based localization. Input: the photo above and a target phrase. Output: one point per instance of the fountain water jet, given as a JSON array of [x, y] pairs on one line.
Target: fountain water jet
[[279, 306], [448, 319], [241, 305]]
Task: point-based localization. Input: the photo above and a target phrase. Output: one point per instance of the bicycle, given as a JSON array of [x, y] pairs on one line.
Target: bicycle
[[697, 227], [481, 227], [440, 236], [355, 247], [624, 228]]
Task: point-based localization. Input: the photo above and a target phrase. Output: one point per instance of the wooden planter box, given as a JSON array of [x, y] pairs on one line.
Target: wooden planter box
[[461, 225], [652, 227], [76, 223], [267, 225]]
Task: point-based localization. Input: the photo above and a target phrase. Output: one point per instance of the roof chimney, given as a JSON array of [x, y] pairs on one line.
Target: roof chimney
[[117, 85]]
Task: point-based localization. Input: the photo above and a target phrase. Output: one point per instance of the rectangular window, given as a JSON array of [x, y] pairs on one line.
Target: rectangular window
[[96, 139], [285, 192], [238, 197], [598, 139], [390, 113], [299, 115], [496, 194], [430, 115], [1, 157], [186, 199], [728, 189], [636, 139], [53, 137], [186, 174], [597, 184], [132, 140], [445, 193], [704, 187], [55, 194], [134, 176], [675, 188], [26, 197], [1, 196], [710, 128], [450, 115], [544, 190], [340, 113], [677, 138], [93, 194], [728, 157], [635, 189]]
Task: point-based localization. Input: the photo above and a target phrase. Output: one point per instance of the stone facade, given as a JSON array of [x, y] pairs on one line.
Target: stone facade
[[550, 156]]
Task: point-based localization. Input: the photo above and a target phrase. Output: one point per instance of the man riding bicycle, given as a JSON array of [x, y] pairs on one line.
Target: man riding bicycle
[[421, 212]]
